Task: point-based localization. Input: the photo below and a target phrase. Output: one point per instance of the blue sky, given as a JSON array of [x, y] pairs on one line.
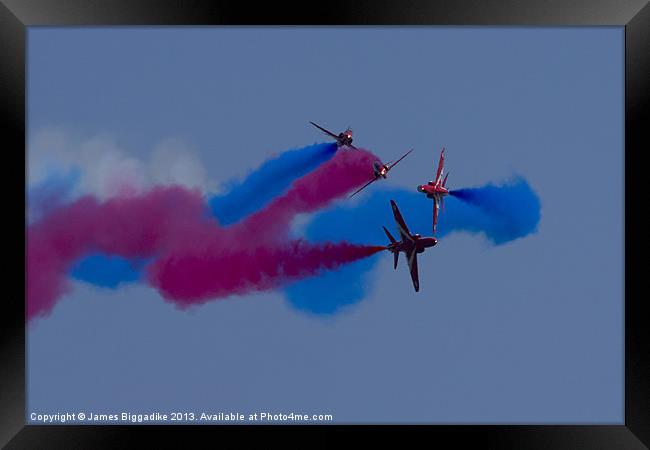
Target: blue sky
[[530, 331]]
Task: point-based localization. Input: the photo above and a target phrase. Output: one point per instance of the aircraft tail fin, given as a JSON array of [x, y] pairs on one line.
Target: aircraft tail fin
[[395, 258], [390, 236], [444, 182]]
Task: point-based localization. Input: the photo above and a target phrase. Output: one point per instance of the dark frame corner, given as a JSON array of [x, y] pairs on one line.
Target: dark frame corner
[[634, 15]]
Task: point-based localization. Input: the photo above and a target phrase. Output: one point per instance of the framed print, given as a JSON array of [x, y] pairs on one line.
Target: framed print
[[347, 215]]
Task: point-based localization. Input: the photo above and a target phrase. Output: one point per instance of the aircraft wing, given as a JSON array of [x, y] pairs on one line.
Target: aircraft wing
[[436, 206], [363, 187], [392, 164], [401, 225], [413, 268], [441, 163], [352, 147], [324, 130]]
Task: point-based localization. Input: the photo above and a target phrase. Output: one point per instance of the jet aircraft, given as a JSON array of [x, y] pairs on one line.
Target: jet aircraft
[[437, 190], [379, 171], [410, 244], [342, 139]]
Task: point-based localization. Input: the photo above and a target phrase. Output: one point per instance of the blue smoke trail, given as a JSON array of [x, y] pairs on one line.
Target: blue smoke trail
[[55, 190], [107, 270], [501, 213], [516, 205], [269, 180]]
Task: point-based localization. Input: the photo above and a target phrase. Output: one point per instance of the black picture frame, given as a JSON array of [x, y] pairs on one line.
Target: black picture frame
[[634, 15]]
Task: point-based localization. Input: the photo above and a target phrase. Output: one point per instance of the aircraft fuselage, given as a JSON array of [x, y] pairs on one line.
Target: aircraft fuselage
[[344, 139], [432, 190], [419, 244], [380, 170]]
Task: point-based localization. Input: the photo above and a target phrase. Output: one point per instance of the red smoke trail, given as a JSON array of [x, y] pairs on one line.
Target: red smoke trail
[[131, 227], [189, 278], [347, 170], [193, 253]]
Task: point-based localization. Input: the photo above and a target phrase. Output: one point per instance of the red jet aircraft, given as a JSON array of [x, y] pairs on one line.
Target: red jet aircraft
[[410, 244], [436, 190], [344, 138], [380, 170]]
